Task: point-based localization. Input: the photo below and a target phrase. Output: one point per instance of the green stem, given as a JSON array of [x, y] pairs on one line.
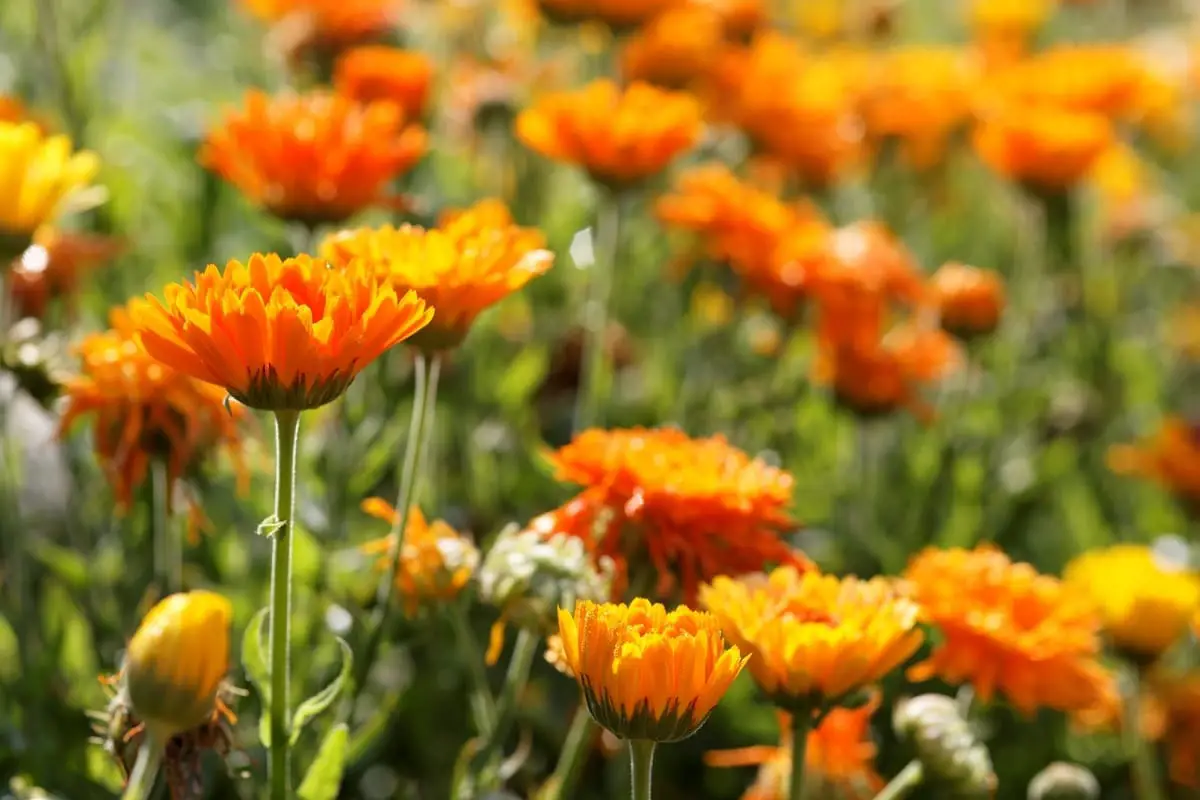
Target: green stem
[[483, 706], [168, 554], [572, 757], [801, 723], [595, 380], [641, 763], [519, 667], [1146, 778], [425, 385], [287, 429], [905, 781], [145, 771]]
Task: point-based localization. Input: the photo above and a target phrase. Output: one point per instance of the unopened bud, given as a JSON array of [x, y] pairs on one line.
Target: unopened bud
[[953, 759], [1062, 781]]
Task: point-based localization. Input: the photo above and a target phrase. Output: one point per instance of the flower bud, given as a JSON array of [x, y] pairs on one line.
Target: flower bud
[[946, 747], [176, 662], [1062, 781]]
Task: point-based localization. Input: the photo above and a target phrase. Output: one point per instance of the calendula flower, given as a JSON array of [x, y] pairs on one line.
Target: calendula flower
[[646, 673], [436, 561], [839, 758], [142, 410], [1005, 628], [1180, 697], [1094, 78], [1145, 604], [741, 18], [176, 662], [330, 24], [1004, 28], [1129, 201], [375, 72], [52, 268], [41, 178], [620, 136], [12, 109], [278, 334], [814, 639], [620, 15], [471, 261], [695, 508], [1170, 457], [314, 158], [1047, 148], [969, 300], [675, 49]]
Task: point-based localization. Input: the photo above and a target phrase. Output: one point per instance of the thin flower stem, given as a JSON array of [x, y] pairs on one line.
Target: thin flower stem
[[145, 771], [519, 667], [801, 723], [168, 552], [425, 385], [905, 781], [483, 706], [641, 763], [1146, 778], [573, 756], [287, 429], [596, 377]]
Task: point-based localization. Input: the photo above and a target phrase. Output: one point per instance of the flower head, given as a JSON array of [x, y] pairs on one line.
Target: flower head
[[1005, 27], [619, 15], [675, 49], [176, 662], [695, 508], [1144, 604], [1095, 78], [1007, 628], [40, 179], [144, 410], [314, 158], [329, 24], [620, 136], [436, 561], [1045, 147], [648, 673], [471, 261], [278, 333], [1170, 457], [53, 267], [970, 300], [375, 72], [814, 639], [951, 756]]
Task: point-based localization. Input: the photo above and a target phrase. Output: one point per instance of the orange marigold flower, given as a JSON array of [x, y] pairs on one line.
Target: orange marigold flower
[[1170, 457], [970, 300], [839, 759], [1179, 696], [376, 72], [278, 334], [143, 410], [53, 267], [1047, 148], [474, 259], [1096, 78], [699, 507], [647, 674], [436, 561], [1005, 27], [675, 49], [12, 109], [814, 639], [742, 18], [617, 14], [329, 23], [1007, 628], [620, 136], [315, 158]]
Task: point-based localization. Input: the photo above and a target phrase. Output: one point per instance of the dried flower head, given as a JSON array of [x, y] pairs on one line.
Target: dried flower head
[[953, 759]]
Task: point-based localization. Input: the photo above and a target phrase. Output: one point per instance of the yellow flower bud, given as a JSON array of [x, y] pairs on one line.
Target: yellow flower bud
[[177, 660]]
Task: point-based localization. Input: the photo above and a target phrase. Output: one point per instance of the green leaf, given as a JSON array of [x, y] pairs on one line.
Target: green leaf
[[324, 776], [320, 701], [68, 565], [270, 526], [258, 671]]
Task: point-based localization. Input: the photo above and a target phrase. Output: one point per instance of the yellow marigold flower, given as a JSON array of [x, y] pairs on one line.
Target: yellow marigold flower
[[620, 136], [1047, 148], [675, 49], [646, 673], [176, 662], [812, 638], [1170, 457], [1004, 27], [970, 300], [376, 72], [471, 261], [316, 158], [39, 178], [278, 333], [1144, 604], [436, 562], [1006, 628]]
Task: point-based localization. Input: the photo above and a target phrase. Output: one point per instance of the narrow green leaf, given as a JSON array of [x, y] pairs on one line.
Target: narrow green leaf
[[270, 526], [324, 776], [258, 671], [320, 701]]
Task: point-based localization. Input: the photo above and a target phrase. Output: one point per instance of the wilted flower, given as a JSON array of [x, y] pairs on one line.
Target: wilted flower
[[814, 639], [1063, 781], [1046, 148], [675, 49], [646, 673], [1145, 604], [969, 300], [278, 333], [691, 509], [52, 267], [315, 158], [1006, 628], [42, 179], [436, 561], [471, 261], [952, 758], [1171, 458], [620, 136], [376, 72]]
